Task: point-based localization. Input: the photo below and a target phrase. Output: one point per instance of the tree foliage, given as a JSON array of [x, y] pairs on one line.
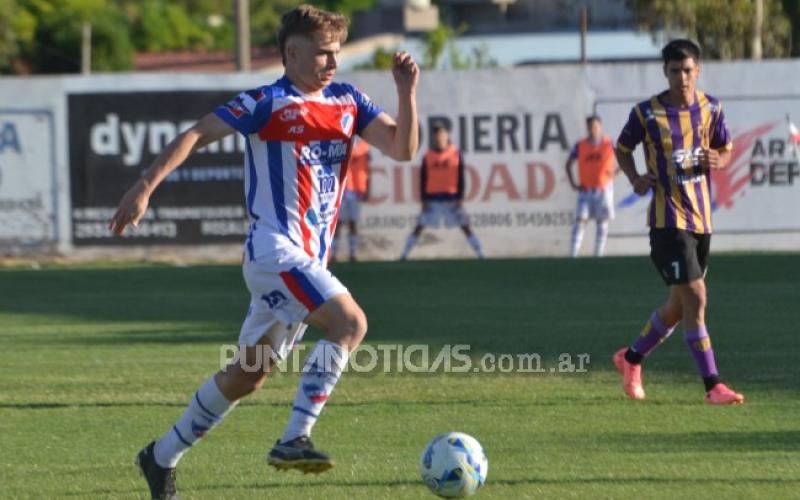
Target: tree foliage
[[50, 35], [792, 10], [723, 28], [381, 59], [436, 44], [45, 35]]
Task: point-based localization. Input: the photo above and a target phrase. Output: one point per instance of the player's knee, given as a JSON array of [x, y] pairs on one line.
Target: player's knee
[[353, 329], [358, 326], [695, 296]]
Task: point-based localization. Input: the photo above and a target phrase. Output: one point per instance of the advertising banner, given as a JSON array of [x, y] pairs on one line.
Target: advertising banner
[[27, 173], [514, 126], [114, 137]]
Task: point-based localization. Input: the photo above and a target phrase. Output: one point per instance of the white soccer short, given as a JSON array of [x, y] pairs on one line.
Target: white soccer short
[[449, 210], [596, 204], [283, 292], [350, 209]]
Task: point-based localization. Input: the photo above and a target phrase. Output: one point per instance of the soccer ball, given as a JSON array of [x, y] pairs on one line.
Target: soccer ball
[[454, 465]]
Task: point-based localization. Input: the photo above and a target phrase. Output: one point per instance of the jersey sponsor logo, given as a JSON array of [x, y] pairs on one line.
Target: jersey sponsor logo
[[317, 154], [311, 217], [686, 158], [319, 219], [291, 114], [688, 178], [297, 129], [326, 179]]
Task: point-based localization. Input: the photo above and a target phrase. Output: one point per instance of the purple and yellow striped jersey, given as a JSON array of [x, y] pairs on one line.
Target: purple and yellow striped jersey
[[673, 139]]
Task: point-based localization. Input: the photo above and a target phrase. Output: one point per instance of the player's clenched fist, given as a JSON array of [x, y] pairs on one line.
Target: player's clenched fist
[[643, 183], [405, 71]]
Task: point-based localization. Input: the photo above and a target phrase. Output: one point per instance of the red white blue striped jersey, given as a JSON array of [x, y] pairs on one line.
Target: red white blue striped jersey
[[296, 156]]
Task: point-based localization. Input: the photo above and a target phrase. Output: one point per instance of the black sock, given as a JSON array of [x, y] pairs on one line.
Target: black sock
[[710, 382], [633, 357]]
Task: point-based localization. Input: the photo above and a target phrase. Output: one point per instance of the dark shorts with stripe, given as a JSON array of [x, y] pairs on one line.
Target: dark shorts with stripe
[[680, 256]]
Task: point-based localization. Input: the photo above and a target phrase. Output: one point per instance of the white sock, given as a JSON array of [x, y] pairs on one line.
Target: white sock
[[321, 371], [475, 244], [577, 238], [206, 410], [352, 240], [410, 242], [601, 238]]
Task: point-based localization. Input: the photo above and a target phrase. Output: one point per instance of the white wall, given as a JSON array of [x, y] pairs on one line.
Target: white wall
[[516, 126]]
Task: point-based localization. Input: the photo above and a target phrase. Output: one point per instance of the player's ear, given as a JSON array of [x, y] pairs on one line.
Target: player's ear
[[291, 49]]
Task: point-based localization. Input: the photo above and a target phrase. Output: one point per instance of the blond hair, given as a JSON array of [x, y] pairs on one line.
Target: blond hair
[[306, 20]]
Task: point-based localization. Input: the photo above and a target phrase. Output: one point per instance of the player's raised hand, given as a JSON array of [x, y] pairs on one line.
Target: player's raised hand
[[405, 71], [130, 210], [643, 183]]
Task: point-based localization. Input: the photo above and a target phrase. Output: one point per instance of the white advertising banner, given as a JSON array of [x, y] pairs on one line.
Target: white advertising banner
[[27, 179], [515, 127]]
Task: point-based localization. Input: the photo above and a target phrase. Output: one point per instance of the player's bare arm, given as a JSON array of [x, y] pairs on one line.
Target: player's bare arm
[[134, 203], [399, 139], [641, 183], [570, 177]]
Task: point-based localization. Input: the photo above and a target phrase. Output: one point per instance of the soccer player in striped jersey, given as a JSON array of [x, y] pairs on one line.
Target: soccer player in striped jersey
[[595, 186], [685, 139], [299, 132], [355, 192]]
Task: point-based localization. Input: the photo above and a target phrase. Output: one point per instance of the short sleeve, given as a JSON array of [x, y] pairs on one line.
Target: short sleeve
[[366, 109], [632, 133], [720, 137], [248, 112]]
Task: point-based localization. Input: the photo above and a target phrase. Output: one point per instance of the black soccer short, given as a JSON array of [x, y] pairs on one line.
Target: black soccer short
[[680, 256]]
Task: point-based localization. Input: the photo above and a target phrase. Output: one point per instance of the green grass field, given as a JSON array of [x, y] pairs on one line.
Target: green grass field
[[98, 361]]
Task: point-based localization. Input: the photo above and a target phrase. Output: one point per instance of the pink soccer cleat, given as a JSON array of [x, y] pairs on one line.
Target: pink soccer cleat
[[721, 394], [631, 375]]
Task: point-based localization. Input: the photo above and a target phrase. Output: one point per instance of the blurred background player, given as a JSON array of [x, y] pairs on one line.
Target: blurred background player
[[301, 125], [442, 190], [596, 169], [356, 192], [686, 138]]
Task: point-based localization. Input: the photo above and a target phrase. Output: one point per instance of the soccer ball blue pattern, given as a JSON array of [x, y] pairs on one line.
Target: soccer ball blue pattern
[[453, 465]]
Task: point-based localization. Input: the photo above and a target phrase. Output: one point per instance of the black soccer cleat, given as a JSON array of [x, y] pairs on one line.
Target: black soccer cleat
[[299, 454], [161, 480]]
